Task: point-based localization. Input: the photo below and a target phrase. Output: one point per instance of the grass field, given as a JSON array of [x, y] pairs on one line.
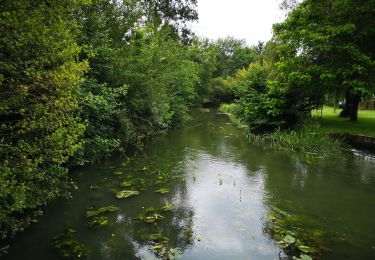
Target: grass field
[[332, 123]]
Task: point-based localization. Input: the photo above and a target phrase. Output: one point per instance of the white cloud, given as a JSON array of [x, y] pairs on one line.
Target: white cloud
[[244, 19]]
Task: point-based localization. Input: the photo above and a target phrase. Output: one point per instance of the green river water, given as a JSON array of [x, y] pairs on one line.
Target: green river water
[[221, 189]]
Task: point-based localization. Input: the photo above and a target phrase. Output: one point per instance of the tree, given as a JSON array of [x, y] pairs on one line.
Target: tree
[[232, 55], [39, 126], [79, 80], [119, 99], [329, 45]]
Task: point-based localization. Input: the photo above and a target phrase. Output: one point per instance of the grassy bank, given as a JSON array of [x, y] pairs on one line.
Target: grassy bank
[[332, 123], [309, 138]]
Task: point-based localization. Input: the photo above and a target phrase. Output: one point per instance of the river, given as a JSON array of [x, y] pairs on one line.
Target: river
[[219, 190]]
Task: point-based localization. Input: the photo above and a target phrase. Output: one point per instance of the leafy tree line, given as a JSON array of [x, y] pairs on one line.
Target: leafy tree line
[[81, 79], [323, 48]]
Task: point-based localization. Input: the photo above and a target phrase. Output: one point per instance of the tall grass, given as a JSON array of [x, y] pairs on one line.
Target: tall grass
[[307, 139]]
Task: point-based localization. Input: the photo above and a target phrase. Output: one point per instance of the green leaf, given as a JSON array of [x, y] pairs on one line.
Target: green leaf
[[162, 191], [91, 212], [289, 239], [126, 193]]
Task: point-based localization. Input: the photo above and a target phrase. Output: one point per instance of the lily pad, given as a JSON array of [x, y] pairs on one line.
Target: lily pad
[[150, 210], [289, 239], [149, 219], [306, 249], [126, 193], [168, 207], [303, 257], [156, 236], [98, 222], [162, 191], [165, 251], [150, 215], [92, 213], [118, 172], [126, 183]]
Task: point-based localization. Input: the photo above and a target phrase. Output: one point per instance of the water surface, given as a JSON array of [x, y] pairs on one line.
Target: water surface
[[222, 188]]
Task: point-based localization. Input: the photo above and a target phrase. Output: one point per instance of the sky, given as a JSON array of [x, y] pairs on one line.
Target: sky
[[243, 19]]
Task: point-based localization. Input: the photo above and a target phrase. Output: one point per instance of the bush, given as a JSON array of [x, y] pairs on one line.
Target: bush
[[39, 126], [260, 100]]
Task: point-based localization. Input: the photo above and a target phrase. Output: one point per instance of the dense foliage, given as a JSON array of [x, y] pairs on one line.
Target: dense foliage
[[40, 128], [80, 80], [323, 48], [326, 49]]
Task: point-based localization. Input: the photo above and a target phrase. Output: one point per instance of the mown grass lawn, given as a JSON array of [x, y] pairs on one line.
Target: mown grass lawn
[[332, 123]]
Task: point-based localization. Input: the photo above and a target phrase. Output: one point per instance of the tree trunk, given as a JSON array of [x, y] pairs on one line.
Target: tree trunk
[[346, 110], [351, 106], [354, 110]]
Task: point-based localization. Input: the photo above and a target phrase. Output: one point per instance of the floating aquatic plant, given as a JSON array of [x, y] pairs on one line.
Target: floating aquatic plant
[[68, 247], [126, 193], [92, 213], [98, 222], [302, 257], [297, 242], [167, 207], [162, 191], [155, 237], [163, 177], [163, 249], [141, 184], [126, 183], [149, 215]]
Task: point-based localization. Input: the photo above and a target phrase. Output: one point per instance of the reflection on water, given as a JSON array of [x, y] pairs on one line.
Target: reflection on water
[[221, 188]]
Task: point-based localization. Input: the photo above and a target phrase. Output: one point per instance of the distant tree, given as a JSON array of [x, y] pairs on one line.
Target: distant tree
[[233, 54]]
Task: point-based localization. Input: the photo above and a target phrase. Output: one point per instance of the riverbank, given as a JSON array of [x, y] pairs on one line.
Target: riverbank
[[311, 138], [308, 139]]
